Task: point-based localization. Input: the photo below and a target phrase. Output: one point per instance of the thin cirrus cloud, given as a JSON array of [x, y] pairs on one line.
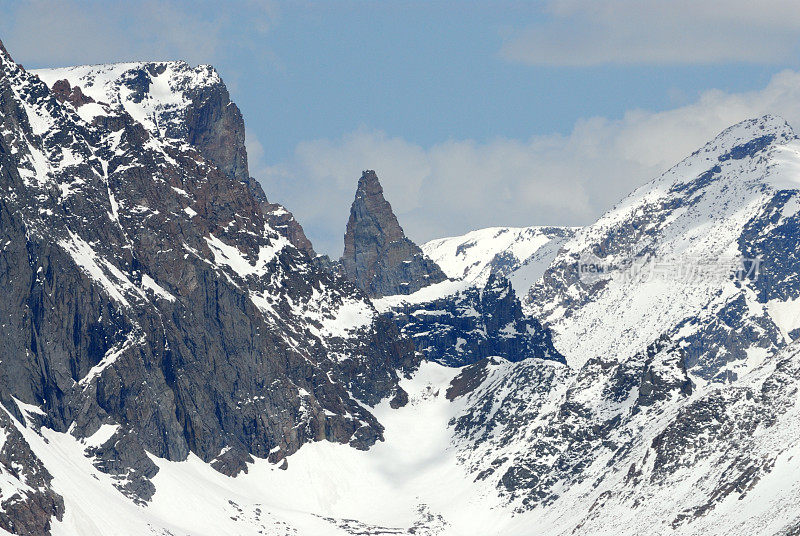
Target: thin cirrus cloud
[[579, 33], [455, 186], [54, 33]]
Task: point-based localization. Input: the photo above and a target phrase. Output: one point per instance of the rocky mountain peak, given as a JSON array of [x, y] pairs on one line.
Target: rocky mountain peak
[[171, 100], [7, 64], [371, 203], [746, 138], [283, 221], [132, 251], [3, 52], [766, 125], [378, 257], [725, 212], [162, 316], [174, 101]]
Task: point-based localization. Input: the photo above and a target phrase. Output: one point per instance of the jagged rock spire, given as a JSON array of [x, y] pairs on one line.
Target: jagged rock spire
[[378, 257]]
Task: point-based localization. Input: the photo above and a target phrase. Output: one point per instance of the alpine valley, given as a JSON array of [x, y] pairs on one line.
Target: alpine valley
[[177, 359]]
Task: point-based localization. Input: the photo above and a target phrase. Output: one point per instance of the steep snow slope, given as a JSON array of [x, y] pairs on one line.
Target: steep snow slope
[[410, 484], [519, 253], [703, 254], [626, 447], [322, 492]]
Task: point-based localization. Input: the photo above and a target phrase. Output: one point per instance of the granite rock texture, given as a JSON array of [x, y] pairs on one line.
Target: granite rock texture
[[378, 257]]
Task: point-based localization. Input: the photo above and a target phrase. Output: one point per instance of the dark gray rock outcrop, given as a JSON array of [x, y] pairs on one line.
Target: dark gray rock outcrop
[[453, 328], [378, 257], [571, 418], [472, 324], [28, 506]]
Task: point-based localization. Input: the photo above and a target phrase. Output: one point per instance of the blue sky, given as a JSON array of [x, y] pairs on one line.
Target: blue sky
[[473, 113], [432, 72], [426, 72]]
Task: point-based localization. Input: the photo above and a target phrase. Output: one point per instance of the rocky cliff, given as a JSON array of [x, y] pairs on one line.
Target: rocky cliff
[[174, 101], [378, 257], [148, 295], [472, 323]]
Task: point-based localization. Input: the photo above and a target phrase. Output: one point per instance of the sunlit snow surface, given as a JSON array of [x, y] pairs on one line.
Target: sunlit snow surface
[[387, 486], [520, 253], [692, 216], [416, 473], [105, 84]]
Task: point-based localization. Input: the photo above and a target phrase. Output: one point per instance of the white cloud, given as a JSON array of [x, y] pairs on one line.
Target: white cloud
[[456, 186], [593, 32]]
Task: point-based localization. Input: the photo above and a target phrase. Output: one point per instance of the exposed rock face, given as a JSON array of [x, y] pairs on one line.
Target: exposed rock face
[[626, 439], [176, 101], [279, 218], [63, 92], [152, 311], [477, 322], [663, 373], [378, 257], [27, 502], [145, 289], [454, 323], [283, 221], [170, 99]]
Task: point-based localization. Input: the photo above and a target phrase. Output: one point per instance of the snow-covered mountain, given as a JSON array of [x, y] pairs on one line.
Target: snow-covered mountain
[[173, 101], [175, 361], [521, 254], [625, 446], [692, 278], [704, 254], [150, 301]]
